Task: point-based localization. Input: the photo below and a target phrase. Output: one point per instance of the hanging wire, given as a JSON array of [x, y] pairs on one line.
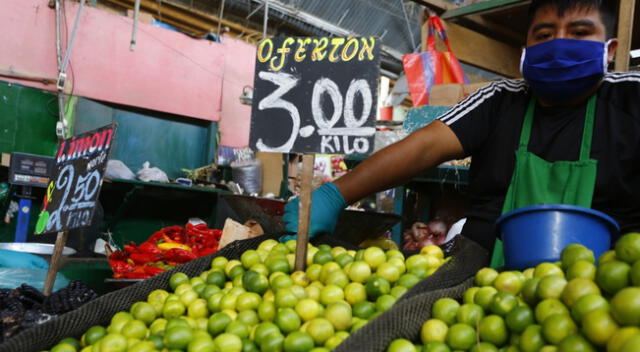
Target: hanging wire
[[266, 19], [220, 14], [406, 19]]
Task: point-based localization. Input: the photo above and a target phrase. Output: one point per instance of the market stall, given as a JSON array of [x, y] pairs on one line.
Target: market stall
[[178, 224]]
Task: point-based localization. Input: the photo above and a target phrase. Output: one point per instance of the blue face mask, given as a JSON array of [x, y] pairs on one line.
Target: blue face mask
[[564, 69]]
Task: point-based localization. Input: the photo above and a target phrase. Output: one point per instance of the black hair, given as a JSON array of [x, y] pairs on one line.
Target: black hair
[[607, 9]]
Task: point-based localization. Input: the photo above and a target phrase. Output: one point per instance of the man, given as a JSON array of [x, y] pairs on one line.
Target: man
[[568, 123]]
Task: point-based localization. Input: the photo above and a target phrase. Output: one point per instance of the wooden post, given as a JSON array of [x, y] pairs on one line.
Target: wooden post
[[61, 240], [304, 211], [625, 31]]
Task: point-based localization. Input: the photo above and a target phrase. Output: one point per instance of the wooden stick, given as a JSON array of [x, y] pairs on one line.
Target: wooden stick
[[304, 211], [61, 240], [625, 31]]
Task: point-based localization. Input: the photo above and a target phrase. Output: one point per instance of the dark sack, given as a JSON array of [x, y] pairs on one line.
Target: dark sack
[[100, 311], [403, 320]]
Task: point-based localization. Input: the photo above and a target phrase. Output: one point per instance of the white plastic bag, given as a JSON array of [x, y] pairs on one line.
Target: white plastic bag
[[152, 174], [117, 169]]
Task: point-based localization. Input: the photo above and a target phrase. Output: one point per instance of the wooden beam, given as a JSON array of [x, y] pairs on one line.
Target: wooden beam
[[437, 5], [441, 6], [481, 51], [484, 7], [625, 31], [189, 20]]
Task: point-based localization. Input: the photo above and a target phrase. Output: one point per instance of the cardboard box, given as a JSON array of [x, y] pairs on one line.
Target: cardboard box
[[6, 160], [143, 17], [272, 164], [452, 94], [470, 88], [446, 94]]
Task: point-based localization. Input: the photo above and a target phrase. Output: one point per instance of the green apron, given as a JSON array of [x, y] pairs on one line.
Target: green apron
[[536, 181]]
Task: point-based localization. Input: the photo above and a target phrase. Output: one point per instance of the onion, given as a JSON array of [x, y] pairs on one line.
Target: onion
[[411, 245], [437, 228], [420, 231]]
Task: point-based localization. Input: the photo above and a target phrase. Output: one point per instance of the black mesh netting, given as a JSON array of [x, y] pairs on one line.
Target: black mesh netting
[[403, 320], [467, 257], [100, 311]]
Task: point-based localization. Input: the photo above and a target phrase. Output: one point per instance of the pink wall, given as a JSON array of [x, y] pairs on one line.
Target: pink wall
[[168, 71], [240, 58]]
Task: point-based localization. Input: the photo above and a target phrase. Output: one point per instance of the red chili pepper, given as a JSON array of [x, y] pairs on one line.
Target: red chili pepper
[[118, 255], [137, 275], [207, 251], [167, 239], [148, 247], [143, 258], [152, 270], [130, 248], [178, 255], [119, 266]]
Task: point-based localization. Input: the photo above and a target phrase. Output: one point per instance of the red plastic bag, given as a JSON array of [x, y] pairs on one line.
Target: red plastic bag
[[426, 69]]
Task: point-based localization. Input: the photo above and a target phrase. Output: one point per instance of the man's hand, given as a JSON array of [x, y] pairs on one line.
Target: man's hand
[[326, 205]]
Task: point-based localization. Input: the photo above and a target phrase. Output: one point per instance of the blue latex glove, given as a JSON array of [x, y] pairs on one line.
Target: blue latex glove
[[326, 205], [14, 259]]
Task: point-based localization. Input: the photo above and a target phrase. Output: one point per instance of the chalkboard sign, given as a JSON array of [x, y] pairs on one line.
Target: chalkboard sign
[[73, 191], [315, 95]]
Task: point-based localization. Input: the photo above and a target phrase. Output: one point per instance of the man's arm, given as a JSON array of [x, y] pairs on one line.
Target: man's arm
[[399, 162]]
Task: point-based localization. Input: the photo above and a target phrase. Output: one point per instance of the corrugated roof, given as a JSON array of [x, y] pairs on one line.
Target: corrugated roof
[[382, 18]]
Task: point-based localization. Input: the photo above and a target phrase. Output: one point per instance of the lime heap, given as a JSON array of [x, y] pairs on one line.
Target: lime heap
[[570, 306], [258, 303]]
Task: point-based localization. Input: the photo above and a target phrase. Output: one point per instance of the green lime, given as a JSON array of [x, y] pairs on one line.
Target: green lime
[[364, 309], [178, 279], [503, 303], [598, 326], [177, 337], [237, 328], [470, 314], [461, 336], [613, 276], [263, 330], [586, 304], [575, 343], [299, 341], [445, 309], [558, 326], [519, 318], [493, 329], [377, 286], [531, 339], [401, 345], [628, 248], [434, 330], [218, 323], [94, 334], [625, 306], [287, 320], [574, 253]]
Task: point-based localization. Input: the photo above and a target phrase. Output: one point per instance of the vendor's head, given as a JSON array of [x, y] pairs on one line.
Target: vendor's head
[[569, 45]]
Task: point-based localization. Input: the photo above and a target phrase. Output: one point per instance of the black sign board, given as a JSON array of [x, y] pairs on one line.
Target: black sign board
[[30, 170], [72, 193], [315, 95]]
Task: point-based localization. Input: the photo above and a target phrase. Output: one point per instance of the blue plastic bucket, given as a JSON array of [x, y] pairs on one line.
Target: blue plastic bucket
[[537, 234]]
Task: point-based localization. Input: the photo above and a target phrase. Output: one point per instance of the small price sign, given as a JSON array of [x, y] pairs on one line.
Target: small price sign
[[74, 187], [315, 95]]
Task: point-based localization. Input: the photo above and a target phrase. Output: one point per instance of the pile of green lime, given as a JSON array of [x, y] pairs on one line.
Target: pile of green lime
[[258, 303], [570, 306]]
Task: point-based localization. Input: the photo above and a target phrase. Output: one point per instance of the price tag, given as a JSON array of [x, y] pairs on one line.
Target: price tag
[[315, 95], [74, 188]]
